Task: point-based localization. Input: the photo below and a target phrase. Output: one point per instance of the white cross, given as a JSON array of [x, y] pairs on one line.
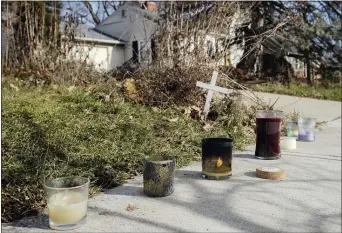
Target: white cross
[[211, 88]]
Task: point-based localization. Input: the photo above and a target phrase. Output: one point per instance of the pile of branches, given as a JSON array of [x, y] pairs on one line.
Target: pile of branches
[[170, 86]]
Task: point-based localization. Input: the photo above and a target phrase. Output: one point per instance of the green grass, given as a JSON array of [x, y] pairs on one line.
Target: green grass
[[53, 132], [330, 92]]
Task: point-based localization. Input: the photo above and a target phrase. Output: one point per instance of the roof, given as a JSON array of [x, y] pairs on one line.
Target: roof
[[82, 32], [123, 29]]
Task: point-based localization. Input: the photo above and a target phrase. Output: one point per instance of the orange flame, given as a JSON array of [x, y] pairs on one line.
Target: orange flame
[[219, 162]]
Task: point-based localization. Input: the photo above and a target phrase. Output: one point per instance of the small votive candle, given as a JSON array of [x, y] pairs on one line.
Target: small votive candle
[[288, 143], [292, 129], [307, 137]]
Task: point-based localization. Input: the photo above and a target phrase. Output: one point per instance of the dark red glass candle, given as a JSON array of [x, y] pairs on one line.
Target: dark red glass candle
[[268, 125]]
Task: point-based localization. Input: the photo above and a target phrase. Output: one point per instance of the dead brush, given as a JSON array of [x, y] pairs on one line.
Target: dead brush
[[66, 73], [169, 86], [235, 117], [40, 52]]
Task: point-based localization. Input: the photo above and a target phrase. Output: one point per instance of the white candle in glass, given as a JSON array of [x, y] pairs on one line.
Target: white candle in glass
[[67, 208], [288, 143]]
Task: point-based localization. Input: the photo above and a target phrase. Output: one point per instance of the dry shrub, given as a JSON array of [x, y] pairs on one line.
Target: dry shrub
[[170, 86], [67, 72], [76, 72], [236, 118], [42, 48], [234, 73]]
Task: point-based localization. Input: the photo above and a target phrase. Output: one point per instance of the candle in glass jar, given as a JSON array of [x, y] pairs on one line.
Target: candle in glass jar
[[306, 129], [292, 129], [67, 208], [306, 136], [288, 143]]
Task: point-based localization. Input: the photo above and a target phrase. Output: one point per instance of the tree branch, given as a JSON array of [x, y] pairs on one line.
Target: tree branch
[[331, 6], [91, 11], [105, 8]]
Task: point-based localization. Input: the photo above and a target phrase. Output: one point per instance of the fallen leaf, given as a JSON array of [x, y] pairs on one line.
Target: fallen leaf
[[107, 98], [173, 119], [14, 87], [207, 127], [71, 88], [131, 207]]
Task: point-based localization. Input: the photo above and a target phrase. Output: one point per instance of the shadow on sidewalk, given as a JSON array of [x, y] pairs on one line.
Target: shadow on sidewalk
[[136, 219], [244, 156], [40, 221]]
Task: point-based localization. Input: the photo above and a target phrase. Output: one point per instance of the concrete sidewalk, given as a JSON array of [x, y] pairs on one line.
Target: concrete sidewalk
[[307, 200], [323, 110]]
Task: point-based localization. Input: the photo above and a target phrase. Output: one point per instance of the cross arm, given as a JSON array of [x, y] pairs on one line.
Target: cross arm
[[214, 88]]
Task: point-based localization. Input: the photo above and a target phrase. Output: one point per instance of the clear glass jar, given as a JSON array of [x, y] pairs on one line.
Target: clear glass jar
[[292, 129], [306, 127], [67, 199]]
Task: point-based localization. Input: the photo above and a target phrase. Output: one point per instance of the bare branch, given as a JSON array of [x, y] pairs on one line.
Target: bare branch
[[92, 13], [105, 8]]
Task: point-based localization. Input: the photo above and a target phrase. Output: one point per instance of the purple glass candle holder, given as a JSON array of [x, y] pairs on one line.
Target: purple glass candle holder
[[306, 136]]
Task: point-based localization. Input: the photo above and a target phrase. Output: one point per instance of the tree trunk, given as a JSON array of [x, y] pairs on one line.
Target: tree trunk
[[258, 65], [92, 12], [308, 68], [7, 35]]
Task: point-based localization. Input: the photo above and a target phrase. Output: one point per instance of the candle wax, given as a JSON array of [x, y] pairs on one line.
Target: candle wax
[[67, 208], [292, 133], [288, 143], [307, 136]]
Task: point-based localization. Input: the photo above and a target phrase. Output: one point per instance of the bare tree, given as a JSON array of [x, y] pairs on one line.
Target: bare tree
[[93, 12], [40, 45], [187, 30]]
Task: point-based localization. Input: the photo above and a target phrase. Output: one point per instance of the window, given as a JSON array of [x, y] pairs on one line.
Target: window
[[141, 52], [144, 53], [123, 13], [135, 48]]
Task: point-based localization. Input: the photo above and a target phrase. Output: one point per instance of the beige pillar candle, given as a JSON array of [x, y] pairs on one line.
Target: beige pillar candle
[[288, 143]]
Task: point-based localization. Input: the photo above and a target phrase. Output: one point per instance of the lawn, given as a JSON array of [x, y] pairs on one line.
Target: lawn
[[329, 92], [53, 132]]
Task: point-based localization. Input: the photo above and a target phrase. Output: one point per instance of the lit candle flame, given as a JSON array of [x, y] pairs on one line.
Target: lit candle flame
[[219, 162]]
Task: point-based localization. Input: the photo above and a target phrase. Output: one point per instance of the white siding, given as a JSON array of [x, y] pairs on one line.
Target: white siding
[[236, 52], [103, 57], [143, 30], [134, 27], [128, 52], [117, 56]]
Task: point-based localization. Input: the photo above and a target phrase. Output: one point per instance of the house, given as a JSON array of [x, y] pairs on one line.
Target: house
[[125, 36], [102, 51], [281, 50]]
